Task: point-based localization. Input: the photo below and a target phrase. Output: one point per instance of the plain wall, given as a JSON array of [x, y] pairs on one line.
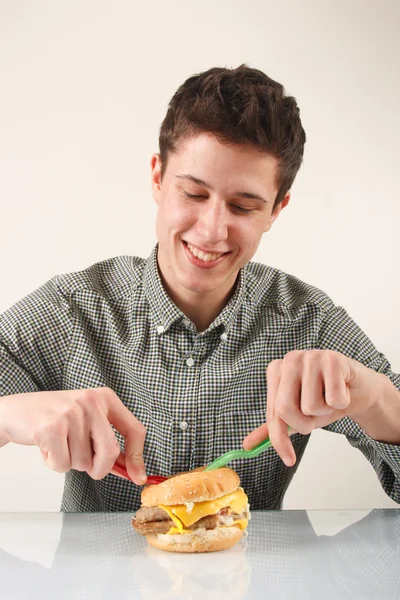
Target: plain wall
[[84, 87]]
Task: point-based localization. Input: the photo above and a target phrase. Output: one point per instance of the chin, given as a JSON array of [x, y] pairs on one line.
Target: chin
[[197, 286]]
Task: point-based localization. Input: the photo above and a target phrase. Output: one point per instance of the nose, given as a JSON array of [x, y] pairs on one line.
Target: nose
[[213, 222]]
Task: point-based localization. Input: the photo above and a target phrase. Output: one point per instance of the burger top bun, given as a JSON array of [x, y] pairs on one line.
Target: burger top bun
[[194, 486]]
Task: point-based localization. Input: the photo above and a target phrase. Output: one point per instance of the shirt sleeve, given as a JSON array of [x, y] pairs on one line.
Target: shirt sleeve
[[34, 340], [339, 332]]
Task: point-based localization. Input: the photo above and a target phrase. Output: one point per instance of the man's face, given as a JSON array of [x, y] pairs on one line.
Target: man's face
[[214, 203]]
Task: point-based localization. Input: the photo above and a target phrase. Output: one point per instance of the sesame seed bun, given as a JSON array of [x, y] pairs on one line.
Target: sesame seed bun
[[194, 486]]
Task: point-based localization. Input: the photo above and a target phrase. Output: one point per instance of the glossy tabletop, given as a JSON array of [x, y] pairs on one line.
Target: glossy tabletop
[[286, 555]]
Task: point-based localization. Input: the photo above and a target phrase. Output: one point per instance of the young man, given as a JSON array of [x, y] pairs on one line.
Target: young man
[[176, 359]]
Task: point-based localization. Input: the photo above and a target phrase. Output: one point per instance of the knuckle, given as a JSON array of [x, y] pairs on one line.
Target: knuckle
[[274, 366], [96, 474], [341, 403], [87, 400], [329, 358], [285, 403], [311, 405], [305, 427], [63, 469], [141, 429], [293, 357], [107, 393], [114, 452], [55, 427], [101, 468], [136, 456], [334, 398], [270, 411], [111, 452], [307, 409], [313, 356], [282, 410], [58, 466], [82, 465]]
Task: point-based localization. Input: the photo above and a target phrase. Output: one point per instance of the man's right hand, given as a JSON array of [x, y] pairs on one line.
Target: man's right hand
[[73, 430]]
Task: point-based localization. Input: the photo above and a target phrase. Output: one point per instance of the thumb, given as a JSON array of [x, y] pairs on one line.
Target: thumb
[[134, 457], [256, 437]]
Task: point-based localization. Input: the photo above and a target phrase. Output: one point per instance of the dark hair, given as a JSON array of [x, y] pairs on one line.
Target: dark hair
[[240, 106]]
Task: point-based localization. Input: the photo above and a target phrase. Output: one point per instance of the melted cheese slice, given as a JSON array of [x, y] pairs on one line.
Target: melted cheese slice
[[179, 514], [242, 523]]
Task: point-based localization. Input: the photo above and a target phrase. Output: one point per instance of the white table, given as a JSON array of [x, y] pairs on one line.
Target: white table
[[286, 555]]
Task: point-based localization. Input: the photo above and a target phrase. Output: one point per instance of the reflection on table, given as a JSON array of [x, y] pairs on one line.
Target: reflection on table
[[100, 556]]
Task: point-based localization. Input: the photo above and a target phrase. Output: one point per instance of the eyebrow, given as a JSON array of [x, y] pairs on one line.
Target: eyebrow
[[202, 183]]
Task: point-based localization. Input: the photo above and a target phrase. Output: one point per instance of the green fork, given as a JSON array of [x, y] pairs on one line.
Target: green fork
[[223, 460]]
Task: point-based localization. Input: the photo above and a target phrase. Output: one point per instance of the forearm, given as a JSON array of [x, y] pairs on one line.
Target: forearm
[[4, 433], [381, 421], [3, 437], [11, 418]]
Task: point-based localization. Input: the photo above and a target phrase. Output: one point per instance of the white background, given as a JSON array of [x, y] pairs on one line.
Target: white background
[[84, 86]]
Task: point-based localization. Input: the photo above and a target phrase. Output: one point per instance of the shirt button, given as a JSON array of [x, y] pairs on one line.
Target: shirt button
[[183, 425], [160, 329], [186, 322], [190, 362], [224, 337]]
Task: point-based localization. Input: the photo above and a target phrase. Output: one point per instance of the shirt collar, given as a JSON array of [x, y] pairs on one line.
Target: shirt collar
[[228, 315], [165, 312]]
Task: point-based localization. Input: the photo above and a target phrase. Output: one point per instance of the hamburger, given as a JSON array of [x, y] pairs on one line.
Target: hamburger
[[198, 511]]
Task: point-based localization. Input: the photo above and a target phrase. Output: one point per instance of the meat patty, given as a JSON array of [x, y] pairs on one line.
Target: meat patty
[[153, 527], [150, 521], [151, 513], [209, 522]]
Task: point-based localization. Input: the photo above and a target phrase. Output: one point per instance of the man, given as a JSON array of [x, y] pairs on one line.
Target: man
[[176, 359]]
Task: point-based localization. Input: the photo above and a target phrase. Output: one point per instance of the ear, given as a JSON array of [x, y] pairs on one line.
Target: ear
[[155, 165], [276, 212]]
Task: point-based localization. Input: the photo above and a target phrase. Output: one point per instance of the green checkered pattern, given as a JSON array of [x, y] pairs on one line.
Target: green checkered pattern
[[198, 394]]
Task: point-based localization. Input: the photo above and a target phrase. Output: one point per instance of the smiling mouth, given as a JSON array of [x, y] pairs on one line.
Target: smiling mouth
[[205, 257]]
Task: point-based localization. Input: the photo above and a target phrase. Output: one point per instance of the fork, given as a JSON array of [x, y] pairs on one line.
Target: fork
[[223, 460]]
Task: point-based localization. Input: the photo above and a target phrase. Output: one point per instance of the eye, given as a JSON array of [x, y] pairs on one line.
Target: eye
[[242, 210], [194, 196]]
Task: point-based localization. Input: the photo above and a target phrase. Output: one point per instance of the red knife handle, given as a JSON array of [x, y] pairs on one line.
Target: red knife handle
[[151, 479]]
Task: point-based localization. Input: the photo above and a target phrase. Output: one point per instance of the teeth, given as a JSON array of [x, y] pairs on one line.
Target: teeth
[[199, 254]]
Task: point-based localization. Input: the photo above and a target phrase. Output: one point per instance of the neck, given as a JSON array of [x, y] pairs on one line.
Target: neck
[[201, 309]]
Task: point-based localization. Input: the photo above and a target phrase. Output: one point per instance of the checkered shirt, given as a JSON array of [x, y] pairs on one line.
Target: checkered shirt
[[198, 394]]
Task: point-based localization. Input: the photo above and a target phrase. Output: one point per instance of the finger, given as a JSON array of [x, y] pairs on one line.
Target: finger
[[118, 465], [134, 433], [279, 436], [80, 448], [278, 431], [105, 446], [288, 398], [337, 394], [312, 401], [273, 381], [327, 420], [256, 437], [134, 443], [55, 451]]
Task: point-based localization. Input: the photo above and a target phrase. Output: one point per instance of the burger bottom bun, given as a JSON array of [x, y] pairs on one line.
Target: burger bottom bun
[[210, 540]]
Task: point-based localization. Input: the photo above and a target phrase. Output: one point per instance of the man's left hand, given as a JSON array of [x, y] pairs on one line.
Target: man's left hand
[[311, 389]]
